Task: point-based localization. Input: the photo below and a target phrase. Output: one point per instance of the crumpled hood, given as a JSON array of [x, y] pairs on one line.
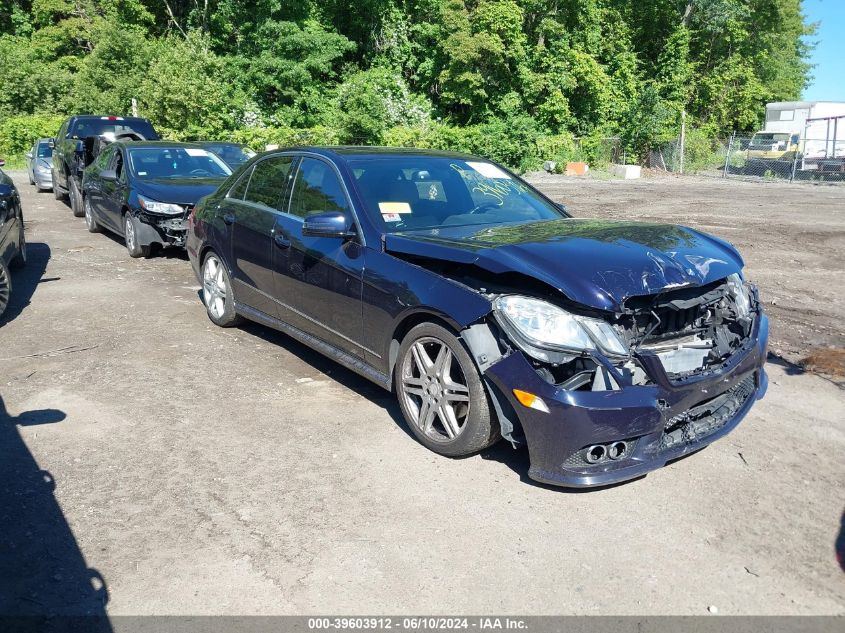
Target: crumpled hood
[[598, 263], [178, 191]]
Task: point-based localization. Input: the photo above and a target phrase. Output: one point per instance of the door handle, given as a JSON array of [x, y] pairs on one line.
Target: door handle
[[281, 241], [229, 218]]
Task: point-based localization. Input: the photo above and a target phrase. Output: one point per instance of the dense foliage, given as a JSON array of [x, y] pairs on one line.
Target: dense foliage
[[513, 79]]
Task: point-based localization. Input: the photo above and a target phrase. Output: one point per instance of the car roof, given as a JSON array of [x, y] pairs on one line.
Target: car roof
[[352, 152], [102, 117], [160, 144]]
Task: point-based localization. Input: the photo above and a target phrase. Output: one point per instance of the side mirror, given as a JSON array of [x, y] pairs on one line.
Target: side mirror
[[108, 174], [29, 155], [2, 162], [52, 143], [328, 224]]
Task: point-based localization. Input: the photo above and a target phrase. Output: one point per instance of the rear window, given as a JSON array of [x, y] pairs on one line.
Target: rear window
[[111, 128]]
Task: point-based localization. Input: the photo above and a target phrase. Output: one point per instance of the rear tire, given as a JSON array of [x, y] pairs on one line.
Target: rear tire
[[90, 221], [217, 292], [441, 393], [130, 234], [76, 200]]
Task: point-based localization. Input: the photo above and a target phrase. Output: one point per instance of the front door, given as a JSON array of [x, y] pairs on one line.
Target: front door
[[318, 279], [251, 217], [114, 192]]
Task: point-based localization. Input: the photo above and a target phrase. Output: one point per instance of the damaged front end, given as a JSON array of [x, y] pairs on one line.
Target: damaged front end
[[163, 223], [615, 395]]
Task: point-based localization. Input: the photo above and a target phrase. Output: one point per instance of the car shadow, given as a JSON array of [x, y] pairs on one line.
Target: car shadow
[[156, 252], [25, 280], [839, 545], [44, 578], [791, 369], [516, 460]]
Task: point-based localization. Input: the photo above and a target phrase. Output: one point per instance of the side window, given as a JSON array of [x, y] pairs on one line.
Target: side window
[[237, 192], [269, 181], [317, 188]]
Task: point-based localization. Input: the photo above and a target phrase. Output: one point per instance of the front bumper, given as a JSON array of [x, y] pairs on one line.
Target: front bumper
[[647, 417], [43, 180], [163, 229]]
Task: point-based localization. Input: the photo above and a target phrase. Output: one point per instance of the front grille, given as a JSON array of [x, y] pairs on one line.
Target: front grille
[[707, 417]]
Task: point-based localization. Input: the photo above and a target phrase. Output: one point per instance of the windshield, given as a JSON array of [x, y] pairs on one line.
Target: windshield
[[44, 150], [232, 154], [149, 163], [111, 128], [767, 140], [405, 193]]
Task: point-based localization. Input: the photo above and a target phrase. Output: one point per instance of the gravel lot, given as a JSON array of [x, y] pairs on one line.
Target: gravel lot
[[156, 464]]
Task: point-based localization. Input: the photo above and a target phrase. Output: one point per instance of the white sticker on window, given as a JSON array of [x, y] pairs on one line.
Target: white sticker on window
[[142, 173], [391, 217], [394, 207], [192, 151], [488, 170]]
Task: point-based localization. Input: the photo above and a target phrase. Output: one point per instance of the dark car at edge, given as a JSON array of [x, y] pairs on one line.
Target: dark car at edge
[[608, 348], [12, 236], [144, 190], [79, 141]]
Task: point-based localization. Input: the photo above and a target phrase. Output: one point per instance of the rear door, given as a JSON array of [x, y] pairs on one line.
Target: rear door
[[318, 279], [250, 211]]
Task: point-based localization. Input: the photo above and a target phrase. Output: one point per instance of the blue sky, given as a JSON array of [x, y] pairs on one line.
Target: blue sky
[[828, 83]]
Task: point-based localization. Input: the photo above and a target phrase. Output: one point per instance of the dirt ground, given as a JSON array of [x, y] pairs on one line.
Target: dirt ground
[[151, 463]]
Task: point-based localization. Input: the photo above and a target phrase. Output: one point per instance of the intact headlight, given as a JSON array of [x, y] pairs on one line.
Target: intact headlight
[[164, 208], [741, 294], [538, 325]]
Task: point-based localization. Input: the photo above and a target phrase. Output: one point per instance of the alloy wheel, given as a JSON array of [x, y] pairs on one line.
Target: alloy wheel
[[89, 218], [129, 230], [214, 290], [435, 390], [5, 288]]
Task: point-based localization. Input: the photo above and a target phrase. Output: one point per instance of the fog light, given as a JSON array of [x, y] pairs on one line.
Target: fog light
[[530, 400]]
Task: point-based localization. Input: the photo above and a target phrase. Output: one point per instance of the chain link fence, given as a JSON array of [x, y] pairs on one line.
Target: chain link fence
[[764, 156], [769, 156]]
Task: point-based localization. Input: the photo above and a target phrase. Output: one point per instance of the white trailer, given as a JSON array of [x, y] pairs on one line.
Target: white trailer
[[812, 131]]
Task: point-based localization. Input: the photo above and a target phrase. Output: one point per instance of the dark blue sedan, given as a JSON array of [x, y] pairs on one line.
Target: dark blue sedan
[[144, 190], [609, 348]]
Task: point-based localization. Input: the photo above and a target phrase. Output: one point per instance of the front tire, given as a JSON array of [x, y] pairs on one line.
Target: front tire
[[5, 287], [130, 234], [441, 393], [217, 292], [90, 221], [76, 200]]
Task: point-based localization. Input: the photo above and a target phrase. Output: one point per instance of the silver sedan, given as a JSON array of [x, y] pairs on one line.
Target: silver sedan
[[39, 164]]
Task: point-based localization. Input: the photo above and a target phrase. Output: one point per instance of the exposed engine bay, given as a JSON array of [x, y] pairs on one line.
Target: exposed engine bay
[[690, 330]]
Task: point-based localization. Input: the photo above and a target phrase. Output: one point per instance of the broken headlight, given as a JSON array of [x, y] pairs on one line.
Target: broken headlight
[[163, 208], [741, 295], [538, 327]]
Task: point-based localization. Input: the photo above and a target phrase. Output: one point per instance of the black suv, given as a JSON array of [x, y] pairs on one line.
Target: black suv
[[78, 143]]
